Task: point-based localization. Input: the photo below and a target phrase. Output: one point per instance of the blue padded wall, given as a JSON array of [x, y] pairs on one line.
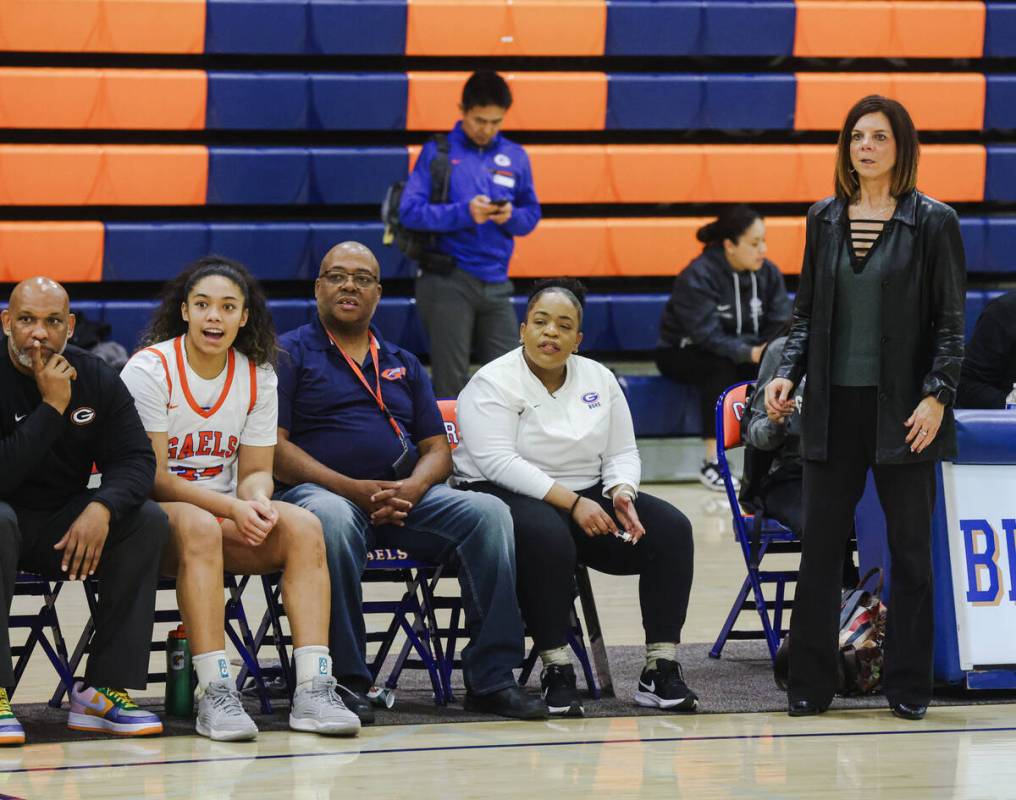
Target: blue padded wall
[[1000, 181], [355, 174], [359, 101], [691, 27], [1000, 29], [323, 27], [1000, 101]]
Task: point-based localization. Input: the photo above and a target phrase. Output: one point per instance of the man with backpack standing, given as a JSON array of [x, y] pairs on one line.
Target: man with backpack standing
[[482, 199]]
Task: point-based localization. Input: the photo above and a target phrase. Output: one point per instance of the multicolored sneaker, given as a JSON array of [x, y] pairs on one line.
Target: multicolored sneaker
[[11, 731], [110, 710]]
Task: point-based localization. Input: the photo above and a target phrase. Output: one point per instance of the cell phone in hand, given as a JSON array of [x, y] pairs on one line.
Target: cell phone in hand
[[499, 203]]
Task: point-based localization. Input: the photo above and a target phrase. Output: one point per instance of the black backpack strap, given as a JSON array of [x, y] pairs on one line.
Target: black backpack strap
[[440, 170]]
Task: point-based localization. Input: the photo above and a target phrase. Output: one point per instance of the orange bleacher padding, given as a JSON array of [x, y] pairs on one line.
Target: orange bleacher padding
[[506, 27], [902, 29], [61, 175], [936, 101], [103, 26], [64, 251], [540, 100], [635, 247], [103, 98], [726, 173]]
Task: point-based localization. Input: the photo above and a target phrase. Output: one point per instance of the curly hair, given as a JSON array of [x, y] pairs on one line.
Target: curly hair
[[256, 339], [571, 288]]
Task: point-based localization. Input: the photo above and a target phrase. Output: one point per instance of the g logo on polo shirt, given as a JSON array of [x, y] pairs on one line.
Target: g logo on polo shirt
[[502, 160], [394, 374], [591, 399], [83, 415]]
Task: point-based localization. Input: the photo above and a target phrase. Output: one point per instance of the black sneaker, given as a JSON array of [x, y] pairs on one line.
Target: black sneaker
[[710, 477], [512, 702], [664, 688], [557, 684], [356, 702]]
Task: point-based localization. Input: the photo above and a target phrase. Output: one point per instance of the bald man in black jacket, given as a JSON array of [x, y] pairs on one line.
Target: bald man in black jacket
[[61, 410]]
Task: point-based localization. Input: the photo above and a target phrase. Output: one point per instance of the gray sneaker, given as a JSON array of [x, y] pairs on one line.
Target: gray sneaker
[[319, 709], [221, 716]]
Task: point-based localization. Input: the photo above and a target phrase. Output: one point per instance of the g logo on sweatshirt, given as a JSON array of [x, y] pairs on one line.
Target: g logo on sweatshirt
[[83, 415]]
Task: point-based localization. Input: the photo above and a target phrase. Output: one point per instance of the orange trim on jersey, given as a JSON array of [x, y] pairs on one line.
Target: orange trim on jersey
[[253, 386], [181, 366], [165, 366]]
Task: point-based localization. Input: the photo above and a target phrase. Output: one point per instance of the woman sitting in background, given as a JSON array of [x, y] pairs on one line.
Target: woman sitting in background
[[724, 306], [550, 434]]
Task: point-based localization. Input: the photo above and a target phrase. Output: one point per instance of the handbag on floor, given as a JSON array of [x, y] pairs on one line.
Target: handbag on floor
[[862, 630]]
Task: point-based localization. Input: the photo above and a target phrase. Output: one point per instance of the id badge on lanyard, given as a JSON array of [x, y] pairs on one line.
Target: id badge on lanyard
[[402, 467]]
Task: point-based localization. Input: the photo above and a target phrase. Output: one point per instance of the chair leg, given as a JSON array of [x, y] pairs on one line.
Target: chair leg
[[275, 611], [596, 643], [577, 641], [728, 625]]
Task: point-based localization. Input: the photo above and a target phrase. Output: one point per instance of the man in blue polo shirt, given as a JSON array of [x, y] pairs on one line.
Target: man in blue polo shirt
[[362, 445], [490, 201]]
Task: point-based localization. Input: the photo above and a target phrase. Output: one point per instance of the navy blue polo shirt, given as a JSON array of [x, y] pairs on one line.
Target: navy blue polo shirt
[[329, 414]]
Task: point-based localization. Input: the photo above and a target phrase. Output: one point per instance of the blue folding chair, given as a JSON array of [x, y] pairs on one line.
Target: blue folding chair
[[30, 585], [773, 538]]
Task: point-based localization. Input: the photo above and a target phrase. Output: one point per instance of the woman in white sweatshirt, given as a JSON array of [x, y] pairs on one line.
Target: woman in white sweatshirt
[[550, 433]]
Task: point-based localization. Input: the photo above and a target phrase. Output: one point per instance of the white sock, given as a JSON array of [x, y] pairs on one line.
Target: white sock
[[557, 657], [211, 668], [655, 650], [311, 661]]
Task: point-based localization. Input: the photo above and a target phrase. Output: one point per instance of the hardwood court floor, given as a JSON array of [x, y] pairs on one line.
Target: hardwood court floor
[[957, 752]]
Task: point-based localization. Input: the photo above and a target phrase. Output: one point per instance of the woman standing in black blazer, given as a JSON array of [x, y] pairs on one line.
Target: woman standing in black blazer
[[878, 328]]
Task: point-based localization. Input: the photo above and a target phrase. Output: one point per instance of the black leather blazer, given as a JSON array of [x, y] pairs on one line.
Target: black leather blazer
[[923, 297]]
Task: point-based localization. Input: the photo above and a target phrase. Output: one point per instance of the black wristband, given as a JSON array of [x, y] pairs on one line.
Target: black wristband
[[572, 509]]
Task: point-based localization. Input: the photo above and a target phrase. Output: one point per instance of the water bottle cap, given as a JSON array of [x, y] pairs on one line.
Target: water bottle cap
[[179, 633]]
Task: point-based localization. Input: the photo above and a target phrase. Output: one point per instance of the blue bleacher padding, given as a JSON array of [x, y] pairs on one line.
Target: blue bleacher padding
[[654, 102], [1000, 101], [258, 101], [763, 102], [662, 407], [155, 251], [357, 27], [290, 314], [152, 251], [1000, 29], [1000, 245], [692, 27], [974, 233], [302, 101], [298, 175], [1000, 179], [355, 174], [127, 319], [323, 27], [398, 321], [636, 321], [359, 101], [972, 310], [264, 27], [258, 175]]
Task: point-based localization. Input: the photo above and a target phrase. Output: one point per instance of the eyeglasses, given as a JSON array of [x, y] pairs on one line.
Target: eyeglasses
[[362, 280]]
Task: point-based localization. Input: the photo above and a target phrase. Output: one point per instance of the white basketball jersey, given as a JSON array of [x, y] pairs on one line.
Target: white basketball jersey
[[205, 421]]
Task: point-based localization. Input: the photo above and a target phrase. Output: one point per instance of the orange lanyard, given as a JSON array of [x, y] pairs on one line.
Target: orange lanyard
[[377, 372]]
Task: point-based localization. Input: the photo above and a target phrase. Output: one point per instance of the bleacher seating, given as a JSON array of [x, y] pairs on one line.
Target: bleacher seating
[[646, 111]]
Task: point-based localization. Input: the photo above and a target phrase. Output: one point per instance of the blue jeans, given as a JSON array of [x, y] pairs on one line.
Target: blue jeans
[[476, 528]]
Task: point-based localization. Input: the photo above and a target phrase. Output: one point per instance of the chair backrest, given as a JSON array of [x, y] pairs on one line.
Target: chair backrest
[[449, 412], [730, 408]]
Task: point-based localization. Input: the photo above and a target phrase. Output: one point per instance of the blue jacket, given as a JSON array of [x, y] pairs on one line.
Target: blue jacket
[[500, 171]]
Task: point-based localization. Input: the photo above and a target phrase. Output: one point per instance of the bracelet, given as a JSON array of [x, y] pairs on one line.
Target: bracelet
[[572, 509]]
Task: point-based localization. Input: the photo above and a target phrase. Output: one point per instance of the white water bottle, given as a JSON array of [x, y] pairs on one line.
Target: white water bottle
[[1010, 401]]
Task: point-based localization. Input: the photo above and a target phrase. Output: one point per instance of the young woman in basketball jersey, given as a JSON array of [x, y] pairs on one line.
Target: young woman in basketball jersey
[[206, 391]]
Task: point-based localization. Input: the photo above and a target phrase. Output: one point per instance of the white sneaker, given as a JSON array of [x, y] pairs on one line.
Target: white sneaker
[[221, 716], [317, 708], [709, 476]]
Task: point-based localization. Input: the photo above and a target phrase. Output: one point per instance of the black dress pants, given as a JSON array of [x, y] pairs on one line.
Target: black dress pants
[[548, 545], [706, 371], [128, 573], [832, 490]]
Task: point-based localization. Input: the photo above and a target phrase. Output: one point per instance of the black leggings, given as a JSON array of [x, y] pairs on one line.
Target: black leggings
[[548, 545], [707, 372]]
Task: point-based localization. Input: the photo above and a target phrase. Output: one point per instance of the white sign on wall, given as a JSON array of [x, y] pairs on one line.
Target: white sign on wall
[[980, 503]]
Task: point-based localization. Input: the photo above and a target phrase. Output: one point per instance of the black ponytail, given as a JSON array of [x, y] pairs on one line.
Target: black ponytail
[[730, 224]]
